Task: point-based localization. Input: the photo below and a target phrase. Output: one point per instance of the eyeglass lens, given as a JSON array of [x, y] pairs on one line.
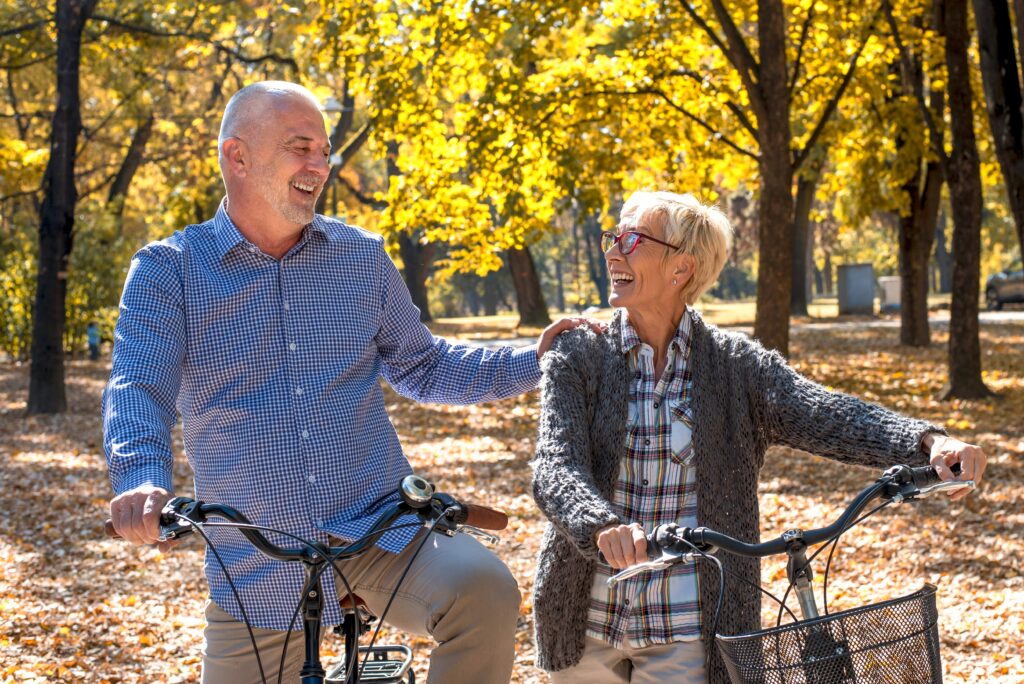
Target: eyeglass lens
[[626, 242]]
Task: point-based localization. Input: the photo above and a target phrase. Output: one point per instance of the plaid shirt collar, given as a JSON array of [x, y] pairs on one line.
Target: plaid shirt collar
[[680, 341]]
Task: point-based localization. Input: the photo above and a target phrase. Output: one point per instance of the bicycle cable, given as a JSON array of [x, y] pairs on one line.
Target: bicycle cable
[[380, 619], [827, 543], [331, 560], [234, 591], [304, 542], [834, 543]]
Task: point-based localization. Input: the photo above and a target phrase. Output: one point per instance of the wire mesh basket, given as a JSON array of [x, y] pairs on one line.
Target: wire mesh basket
[[892, 642]]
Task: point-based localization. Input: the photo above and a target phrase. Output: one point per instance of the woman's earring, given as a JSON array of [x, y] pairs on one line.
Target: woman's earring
[[674, 281]]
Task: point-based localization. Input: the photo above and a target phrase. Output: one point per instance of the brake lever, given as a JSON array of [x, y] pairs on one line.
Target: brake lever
[[947, 486], [174, 515], [480, 534], [667, 559]]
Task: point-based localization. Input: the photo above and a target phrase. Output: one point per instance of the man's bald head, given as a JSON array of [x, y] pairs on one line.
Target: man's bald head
[[248, 109]]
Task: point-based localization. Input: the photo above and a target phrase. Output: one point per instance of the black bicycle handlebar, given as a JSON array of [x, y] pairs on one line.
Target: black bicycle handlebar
[[181, 514], [899, 483]]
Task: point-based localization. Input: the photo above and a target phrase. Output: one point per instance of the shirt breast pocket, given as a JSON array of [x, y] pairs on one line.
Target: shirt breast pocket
[[681, 436]]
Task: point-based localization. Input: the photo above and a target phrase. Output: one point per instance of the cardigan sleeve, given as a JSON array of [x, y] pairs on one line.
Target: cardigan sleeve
[[563, 474], [802, 414]]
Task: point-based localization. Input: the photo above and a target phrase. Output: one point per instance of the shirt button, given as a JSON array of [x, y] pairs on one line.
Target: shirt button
[[645, 481], [298, 390], [655, 404], [647, 442], [287, 306], [305, 434], [311, 478], [291, 345]]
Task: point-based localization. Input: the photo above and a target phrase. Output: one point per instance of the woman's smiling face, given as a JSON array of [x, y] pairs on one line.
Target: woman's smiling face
[[642, 279]]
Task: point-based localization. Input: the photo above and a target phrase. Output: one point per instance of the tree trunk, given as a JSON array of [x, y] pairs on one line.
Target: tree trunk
[[491, 295], [800, 294], [775, 209], [130, 165], [342, 153], [917, 230], [416, 257], [416, 260], [1001, 78], [530, 300], [963, 172], [828, 275], [559, 285], [943, 257], [57, 216], [595, 258]]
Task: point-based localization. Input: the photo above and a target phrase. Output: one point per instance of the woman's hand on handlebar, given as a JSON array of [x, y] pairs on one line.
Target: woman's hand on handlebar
[[946, 451], [135, 515], [622, 545]]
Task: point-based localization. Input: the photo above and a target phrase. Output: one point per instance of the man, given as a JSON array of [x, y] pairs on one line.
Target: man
[[92, 337], [267, 328]]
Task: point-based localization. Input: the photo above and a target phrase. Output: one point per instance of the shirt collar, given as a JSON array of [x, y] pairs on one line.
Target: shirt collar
[[225, 233], [681, 340], [227, 236]]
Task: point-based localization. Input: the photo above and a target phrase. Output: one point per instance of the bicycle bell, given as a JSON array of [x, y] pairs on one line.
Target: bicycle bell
[[416, 491]]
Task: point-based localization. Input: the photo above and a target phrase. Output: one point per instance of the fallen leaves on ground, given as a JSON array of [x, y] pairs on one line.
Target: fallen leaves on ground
[[77, 607]]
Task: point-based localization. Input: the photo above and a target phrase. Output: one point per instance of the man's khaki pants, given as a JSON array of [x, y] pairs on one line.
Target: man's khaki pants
[[457, 591]]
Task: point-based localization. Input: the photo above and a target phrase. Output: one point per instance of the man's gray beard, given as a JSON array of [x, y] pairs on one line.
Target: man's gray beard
[[292, 213]]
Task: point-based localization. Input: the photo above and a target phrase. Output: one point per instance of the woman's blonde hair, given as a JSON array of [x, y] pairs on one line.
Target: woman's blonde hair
[[700, 230]]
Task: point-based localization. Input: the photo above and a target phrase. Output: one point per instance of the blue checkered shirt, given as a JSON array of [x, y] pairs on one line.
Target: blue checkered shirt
[[274, 367]]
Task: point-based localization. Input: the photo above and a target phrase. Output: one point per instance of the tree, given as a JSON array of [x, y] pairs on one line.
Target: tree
[[1000, 74], [57, 215], [138, 39], [961, 167]]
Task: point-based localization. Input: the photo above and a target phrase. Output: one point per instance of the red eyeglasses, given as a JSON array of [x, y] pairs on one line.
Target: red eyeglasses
[[627, 241]]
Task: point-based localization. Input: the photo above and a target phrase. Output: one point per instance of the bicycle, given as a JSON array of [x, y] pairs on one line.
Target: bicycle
[[878, 642], [384, 664]]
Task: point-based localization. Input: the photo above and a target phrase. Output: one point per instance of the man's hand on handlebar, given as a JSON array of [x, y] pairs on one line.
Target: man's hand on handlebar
[[622, 545], [135, 515], [946, 451]]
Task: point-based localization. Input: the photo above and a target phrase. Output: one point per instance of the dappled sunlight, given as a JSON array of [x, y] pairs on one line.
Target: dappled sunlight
[[101, 610]]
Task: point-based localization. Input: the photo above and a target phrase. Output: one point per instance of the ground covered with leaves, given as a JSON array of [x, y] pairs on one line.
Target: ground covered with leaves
[[77, 607]]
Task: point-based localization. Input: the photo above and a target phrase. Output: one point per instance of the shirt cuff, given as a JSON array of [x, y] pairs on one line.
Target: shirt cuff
[[151, 476], [526, 366]]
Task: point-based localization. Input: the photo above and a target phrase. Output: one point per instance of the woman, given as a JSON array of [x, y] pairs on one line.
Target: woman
[[665, 418]]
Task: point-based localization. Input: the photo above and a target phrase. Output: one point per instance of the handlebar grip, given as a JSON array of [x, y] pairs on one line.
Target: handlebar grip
[[108, 529], [926, 476], [485, 518]]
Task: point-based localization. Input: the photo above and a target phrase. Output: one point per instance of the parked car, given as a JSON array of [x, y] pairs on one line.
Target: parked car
[[1005, 287]]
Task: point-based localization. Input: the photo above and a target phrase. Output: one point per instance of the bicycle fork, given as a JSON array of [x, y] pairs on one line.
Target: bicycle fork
[[826, 658], [312, 614], [799, 572]]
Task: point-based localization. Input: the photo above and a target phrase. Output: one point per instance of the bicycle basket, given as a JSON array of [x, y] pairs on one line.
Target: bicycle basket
[[892, 642]]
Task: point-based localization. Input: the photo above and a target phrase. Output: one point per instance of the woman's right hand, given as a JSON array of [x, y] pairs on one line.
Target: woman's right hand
[[622, 545]]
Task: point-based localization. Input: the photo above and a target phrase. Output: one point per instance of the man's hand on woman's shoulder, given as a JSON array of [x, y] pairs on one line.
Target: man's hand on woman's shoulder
[[547, 337]]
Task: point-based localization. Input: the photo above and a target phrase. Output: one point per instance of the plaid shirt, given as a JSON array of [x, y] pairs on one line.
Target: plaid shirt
[[655, 486], [275, 367]]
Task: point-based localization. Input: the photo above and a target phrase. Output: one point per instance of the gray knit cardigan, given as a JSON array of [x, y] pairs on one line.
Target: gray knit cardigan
[[745, 398]]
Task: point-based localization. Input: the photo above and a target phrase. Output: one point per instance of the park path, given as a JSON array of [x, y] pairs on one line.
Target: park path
[[937, 320]]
